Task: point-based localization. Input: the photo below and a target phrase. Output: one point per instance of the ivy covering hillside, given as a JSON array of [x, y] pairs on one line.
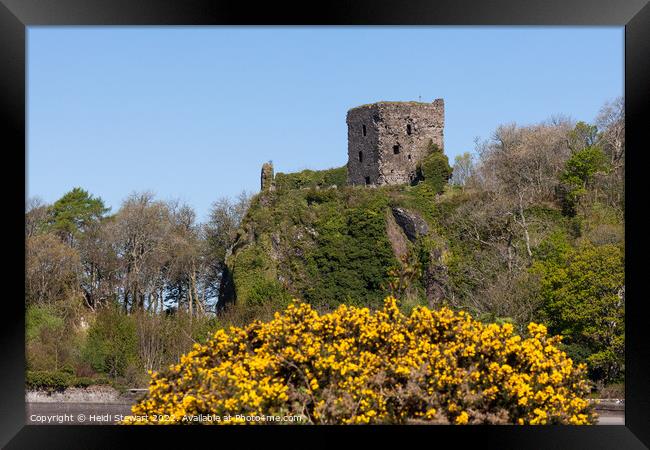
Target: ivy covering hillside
[[326, 246]]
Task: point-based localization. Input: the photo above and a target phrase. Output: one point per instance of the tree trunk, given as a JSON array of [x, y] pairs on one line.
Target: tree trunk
[[189, 301], [510, 255], [524, 225]]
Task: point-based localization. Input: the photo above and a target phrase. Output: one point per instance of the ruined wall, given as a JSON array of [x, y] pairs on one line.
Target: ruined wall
[[267, 179], [363, 139], [396, 138]]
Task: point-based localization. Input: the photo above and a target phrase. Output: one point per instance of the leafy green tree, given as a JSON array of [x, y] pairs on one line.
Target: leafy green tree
[[112, 342], [75, 212], [583, 165], [583, 298], [578, 176]]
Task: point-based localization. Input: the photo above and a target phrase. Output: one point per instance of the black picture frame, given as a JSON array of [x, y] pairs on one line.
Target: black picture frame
[[634, 15]]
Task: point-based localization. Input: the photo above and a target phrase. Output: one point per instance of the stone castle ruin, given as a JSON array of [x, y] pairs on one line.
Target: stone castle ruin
[[267, 178], [386, 141]]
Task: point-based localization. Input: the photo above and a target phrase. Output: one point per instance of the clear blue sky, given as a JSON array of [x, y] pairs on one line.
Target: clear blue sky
[[192, 113]]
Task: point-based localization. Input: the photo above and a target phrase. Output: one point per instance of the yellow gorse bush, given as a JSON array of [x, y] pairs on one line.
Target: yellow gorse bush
[[357, 366]]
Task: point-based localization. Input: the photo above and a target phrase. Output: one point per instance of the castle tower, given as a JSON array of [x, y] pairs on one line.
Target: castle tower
[[386, 140]]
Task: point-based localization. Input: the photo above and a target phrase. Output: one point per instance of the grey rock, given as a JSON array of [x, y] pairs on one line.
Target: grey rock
[[411, 223]]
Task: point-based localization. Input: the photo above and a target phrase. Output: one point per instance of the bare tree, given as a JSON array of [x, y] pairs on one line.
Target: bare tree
[[52, 269], [463, 169], [152, 339], [185, 265], [100, 265], [520, 165], [220, 233], [35, 216], [140, 229], [611, 122]]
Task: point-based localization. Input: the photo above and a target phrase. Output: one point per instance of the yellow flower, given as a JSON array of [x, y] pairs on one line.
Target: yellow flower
[[462, 418], [365, 366]]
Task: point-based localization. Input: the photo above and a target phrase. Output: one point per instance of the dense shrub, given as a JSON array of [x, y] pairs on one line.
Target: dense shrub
[[434, 169], [163, 338], [58, 380], [85, 382], [39, 317], [311, 178], [268, 292], [49, 340], [358, 366], [48, 380], [111, 345], [583, 290], [350, 260]]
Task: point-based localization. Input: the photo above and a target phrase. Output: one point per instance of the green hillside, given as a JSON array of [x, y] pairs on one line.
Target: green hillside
[[339, 245]]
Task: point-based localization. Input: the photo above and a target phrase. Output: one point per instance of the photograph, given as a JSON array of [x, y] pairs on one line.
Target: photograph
[[325, 225]]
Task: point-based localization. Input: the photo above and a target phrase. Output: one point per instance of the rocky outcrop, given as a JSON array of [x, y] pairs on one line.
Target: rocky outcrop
[[435, 278], [396, 236], [435, 274], [227, 293], [411, 223]]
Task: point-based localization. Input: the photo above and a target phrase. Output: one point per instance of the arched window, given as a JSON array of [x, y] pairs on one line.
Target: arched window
[[360, 156], [363, 129], [408, 129]]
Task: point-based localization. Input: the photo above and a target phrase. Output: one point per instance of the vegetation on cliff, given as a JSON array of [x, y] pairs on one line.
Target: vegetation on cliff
[[312, 179], [325, 246]]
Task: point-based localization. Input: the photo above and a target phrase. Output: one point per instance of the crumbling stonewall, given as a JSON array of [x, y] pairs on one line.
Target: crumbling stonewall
[[267, 178]]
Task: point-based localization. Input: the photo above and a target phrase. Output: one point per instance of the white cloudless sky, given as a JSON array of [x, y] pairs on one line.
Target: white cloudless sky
[[191, 113]]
